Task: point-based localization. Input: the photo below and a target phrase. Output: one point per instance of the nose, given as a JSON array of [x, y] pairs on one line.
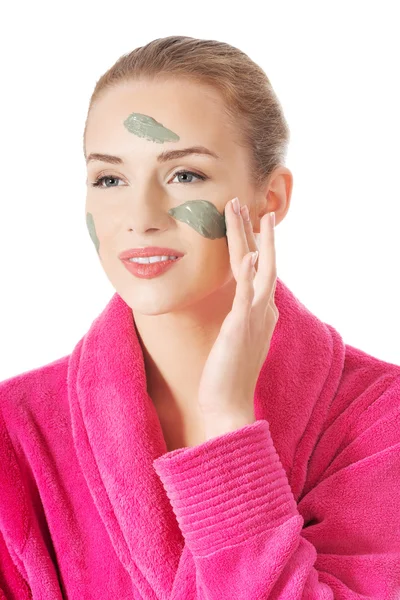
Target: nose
[[148, 210]]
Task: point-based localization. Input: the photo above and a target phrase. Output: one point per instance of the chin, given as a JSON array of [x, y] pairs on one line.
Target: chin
[[146, 310], [151, 303], [152, 300]]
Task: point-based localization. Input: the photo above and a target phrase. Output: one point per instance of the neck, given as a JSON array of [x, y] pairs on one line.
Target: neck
[[176, 344]]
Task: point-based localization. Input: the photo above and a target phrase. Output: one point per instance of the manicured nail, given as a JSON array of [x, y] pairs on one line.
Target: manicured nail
[[254, 258], [245, 213], [236, 205]]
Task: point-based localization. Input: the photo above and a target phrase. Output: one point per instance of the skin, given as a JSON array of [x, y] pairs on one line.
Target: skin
[[178, 315]]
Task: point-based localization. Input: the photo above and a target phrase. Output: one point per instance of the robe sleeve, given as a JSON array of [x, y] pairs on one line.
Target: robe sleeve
[[244, 533]]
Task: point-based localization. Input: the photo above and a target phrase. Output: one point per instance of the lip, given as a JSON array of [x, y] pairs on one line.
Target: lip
[[148, 271], [149, 251]]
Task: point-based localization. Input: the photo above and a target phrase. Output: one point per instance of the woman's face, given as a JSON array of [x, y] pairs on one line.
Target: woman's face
[[143, 202]]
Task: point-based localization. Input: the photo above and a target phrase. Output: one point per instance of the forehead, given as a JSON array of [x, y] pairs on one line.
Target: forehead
[[195, 112]]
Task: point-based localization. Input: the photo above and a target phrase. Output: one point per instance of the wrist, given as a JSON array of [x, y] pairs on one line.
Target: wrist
[[217, 425]]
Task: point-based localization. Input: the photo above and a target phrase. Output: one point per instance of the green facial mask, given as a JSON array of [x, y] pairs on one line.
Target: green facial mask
[[203, 216], [150, 129], [92, 230]]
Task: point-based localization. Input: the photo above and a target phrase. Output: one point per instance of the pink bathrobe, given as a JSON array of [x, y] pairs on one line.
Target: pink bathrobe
[[302, 503]]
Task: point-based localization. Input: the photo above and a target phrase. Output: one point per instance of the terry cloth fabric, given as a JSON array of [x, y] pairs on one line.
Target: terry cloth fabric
[[304, 503]]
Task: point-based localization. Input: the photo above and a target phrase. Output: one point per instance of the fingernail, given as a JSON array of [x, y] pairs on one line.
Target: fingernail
[[245, 213], [236, 205], [254, 258], [272, 216]]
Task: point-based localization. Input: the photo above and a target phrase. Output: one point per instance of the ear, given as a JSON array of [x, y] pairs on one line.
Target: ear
[[275, 197]]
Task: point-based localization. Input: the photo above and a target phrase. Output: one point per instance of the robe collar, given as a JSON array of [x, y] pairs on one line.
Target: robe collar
[[117, 433]]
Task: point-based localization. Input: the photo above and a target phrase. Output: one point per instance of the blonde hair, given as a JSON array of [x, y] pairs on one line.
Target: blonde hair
[[250, 103]]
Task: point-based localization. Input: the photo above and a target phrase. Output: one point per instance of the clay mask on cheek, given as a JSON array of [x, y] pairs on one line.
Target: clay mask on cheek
[[92, 230], [148, 128], [203, 216]]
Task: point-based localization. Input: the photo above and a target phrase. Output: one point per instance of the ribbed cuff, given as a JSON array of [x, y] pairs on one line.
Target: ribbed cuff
[[227, 490]]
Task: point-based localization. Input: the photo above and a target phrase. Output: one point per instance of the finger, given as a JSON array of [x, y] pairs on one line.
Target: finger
[[237, 239], [248, 229], [267, 270], [273, 290], [272, 301], [243, 300]]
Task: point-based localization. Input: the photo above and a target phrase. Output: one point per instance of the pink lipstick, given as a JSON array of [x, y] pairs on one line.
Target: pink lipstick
[[149, 270]]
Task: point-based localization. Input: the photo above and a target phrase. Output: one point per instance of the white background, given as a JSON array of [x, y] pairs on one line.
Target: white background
[[335, 68]]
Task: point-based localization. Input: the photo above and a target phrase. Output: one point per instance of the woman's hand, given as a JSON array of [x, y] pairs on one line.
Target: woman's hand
[[229, 377]]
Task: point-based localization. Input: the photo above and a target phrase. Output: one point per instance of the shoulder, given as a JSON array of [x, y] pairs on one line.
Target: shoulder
[[362, 419], [27, 386], [28, 402], [366, 381]]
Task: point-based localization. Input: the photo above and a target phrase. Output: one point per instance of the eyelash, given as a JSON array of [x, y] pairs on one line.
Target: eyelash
[[98, 181]]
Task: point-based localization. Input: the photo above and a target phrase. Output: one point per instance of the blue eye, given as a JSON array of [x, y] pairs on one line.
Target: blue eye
[[99, 182], [202, 177]]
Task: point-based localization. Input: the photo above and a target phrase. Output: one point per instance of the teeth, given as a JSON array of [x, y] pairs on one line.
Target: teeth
[[151, 259]]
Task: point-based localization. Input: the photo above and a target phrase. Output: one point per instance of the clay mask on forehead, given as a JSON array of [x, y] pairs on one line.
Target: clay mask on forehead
[[150, 129]]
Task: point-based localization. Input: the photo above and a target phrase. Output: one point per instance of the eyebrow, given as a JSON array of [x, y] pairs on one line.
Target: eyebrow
[[163, 157]]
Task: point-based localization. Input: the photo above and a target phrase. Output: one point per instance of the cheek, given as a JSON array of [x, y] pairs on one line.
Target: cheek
[[208, 262], [200, 215], [92, 230], [102, 225]]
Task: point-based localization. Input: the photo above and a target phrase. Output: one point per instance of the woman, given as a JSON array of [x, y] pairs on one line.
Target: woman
[[208, 437]]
